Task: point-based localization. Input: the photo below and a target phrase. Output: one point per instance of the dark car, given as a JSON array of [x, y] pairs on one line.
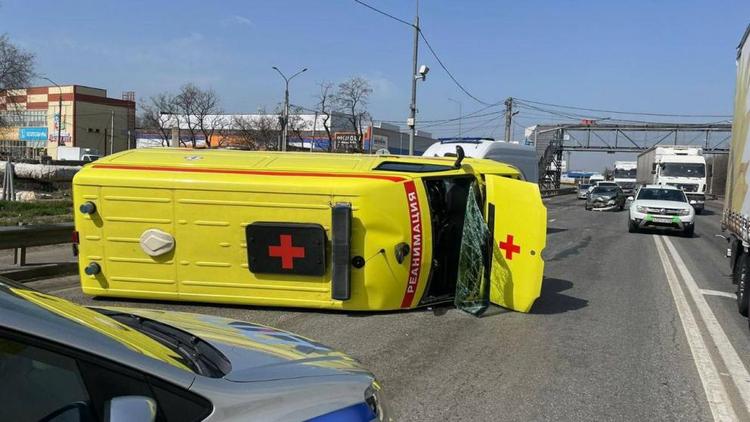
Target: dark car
[[604, 198]]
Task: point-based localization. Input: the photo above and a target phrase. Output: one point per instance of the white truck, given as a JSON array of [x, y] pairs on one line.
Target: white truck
[[680, 166], [736, 216], [624, 175], [77, 154]]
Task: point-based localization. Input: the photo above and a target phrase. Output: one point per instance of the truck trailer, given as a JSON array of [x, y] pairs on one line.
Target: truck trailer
[[736, 216], [624, 175], [680, 166]]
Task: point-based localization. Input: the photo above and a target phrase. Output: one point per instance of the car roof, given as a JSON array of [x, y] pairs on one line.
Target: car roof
[[21, 310], [660, 187]]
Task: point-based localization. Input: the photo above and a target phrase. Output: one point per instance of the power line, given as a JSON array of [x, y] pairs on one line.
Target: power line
[[383, 13], [429, 47], [635, 113], [450, 75]]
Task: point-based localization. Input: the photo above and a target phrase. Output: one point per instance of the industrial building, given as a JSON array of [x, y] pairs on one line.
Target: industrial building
[[39, 119]]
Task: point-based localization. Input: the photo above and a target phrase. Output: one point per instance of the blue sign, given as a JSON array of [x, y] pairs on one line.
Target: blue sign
[[32, 133]]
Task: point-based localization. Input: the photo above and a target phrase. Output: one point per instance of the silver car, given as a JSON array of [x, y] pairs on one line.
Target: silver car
[[63, 362]]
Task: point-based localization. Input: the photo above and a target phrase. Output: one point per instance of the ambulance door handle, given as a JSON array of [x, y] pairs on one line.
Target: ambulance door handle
[[341, 245]]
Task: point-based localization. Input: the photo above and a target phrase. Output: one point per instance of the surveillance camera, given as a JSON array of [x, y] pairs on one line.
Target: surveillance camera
[[424, 70]]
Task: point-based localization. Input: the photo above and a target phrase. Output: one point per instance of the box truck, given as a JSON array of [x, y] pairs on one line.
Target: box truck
[[736, 215], [676, 165], [624, 174]]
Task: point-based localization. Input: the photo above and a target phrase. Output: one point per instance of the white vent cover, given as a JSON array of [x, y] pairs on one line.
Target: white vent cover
[[156, 242]]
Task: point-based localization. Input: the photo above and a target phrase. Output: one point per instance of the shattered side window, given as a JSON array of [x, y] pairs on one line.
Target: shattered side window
[[472, 288]]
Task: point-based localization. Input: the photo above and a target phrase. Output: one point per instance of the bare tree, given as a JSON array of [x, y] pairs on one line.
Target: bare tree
[[259, 131], [160, 112], [16, 70], [187, 106], [208, 114], [351, 100], [325, 105], [296, 122]]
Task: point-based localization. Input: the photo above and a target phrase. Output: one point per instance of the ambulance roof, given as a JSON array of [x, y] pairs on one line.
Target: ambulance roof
[[293, 161]]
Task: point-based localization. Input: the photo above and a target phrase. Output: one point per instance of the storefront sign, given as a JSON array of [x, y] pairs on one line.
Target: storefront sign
[[32, 133]]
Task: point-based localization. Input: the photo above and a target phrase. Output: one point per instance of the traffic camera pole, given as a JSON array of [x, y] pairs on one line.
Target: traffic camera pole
[[413, 106]]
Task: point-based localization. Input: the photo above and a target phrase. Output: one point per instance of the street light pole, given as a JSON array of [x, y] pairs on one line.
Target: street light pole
[[285, 131], [59, 110], [460, 115]]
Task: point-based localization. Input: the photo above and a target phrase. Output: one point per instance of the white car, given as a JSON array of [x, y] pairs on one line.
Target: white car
[[661, 206]]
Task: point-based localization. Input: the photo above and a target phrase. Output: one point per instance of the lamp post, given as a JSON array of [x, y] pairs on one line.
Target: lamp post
[[286, 104], [460, 114], [59, 110]]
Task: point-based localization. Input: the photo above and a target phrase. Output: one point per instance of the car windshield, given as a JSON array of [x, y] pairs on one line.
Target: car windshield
[[625, 174], [582, 187], [683, 169], [605, 189], [662, 195]]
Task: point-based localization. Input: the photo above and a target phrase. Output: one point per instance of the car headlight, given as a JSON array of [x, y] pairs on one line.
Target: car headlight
[[375, 400], [641, 208], [684, 212], [611, 202]]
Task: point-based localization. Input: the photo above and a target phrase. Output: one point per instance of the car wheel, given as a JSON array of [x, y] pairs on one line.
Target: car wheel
[[622, 207], [632, 226], [740, 274], [699, 210], [688, 232]]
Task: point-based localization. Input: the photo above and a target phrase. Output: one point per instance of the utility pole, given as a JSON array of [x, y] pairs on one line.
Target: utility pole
[[312, 141], [413, 106], [59, 110], [112, 133], [285, 132], [509, 119]]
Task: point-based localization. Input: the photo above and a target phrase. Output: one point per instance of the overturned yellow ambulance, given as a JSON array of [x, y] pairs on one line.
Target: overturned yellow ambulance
[[333, 231]]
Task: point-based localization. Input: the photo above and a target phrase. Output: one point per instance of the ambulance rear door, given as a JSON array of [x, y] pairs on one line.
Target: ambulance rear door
[[517, 220]]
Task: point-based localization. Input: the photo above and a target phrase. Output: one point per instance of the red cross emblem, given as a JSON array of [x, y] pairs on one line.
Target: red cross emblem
[[509, 247], [286, 251]]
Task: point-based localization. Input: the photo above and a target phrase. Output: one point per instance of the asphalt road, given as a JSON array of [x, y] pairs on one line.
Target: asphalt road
[[607, 340]]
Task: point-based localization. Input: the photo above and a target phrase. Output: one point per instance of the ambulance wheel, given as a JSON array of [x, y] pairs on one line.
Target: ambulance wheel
[[740, 275], [632, 226], [688, 232]]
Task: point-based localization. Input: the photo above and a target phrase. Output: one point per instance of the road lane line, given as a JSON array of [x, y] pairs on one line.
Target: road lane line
[[735, 367], [716, 394], [710, 292]]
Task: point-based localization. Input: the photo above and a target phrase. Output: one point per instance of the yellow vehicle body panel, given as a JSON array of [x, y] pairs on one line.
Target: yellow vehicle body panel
[[519, 234], [205, 199]]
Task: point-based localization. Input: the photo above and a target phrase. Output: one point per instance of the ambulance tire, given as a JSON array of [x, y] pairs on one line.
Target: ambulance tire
[[740, 274]]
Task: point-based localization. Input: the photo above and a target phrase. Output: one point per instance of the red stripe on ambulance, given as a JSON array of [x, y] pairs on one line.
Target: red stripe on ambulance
[[415, 261]]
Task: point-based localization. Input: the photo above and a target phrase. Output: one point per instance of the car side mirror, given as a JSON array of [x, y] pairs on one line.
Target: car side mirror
[[130, 408], [630, 198]]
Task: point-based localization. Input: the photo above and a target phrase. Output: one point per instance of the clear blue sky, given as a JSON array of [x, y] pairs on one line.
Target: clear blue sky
[[673, 56]]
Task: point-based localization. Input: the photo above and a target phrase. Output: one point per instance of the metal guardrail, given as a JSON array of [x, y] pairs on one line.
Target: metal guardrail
[[546, 193], [22, 237]]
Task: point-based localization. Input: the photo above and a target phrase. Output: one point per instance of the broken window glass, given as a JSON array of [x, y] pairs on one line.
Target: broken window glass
[[472, 286]]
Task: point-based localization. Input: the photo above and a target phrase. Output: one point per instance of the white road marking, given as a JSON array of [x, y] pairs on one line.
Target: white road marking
[[716, 394], [710, 292], [735, 367], [552, 220]]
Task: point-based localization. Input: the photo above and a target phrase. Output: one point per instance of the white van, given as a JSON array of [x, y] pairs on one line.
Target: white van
[[522, 157]]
